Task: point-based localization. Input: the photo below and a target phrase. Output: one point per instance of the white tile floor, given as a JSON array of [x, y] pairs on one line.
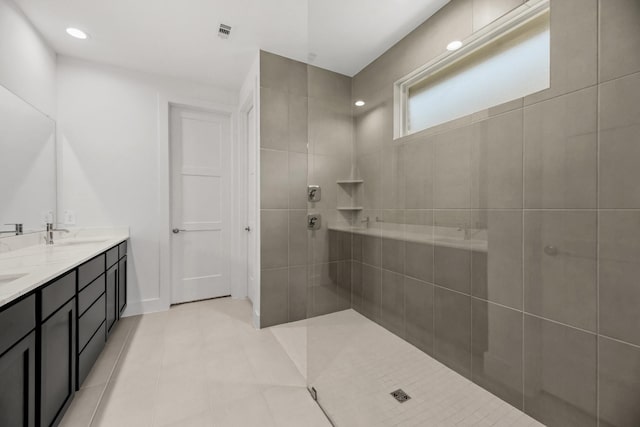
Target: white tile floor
[[199, 364], [354, 364], [203, 364]]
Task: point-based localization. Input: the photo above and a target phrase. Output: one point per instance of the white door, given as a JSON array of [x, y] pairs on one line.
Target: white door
[[200, 204], [252, 208]]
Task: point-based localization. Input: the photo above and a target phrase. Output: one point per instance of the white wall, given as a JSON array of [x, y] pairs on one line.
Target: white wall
[[27, 63], [109, 149]]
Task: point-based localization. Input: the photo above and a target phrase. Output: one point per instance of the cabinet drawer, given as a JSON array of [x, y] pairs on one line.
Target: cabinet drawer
[[90, 320], [88, 271], [112, 256], [16, 321], [122, 247], [57, 293], [89, 294], [90, 354]]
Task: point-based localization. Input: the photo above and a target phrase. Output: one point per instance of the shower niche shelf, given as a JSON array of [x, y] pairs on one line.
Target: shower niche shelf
[[349, 181], [349, 208]]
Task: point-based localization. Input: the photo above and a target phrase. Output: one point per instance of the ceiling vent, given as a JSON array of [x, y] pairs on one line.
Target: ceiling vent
[[224, 31]]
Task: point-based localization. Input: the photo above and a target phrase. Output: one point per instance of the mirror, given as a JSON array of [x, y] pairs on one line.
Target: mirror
[[27, 165]]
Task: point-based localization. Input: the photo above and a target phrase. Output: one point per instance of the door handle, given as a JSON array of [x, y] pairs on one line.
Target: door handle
[[177, 230], [247, 228]]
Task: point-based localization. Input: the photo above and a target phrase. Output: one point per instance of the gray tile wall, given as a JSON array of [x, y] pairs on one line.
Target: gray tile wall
[[306, 136], [548, 318]]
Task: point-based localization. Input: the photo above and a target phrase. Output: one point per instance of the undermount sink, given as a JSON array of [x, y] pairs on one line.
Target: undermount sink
[[10, 277], [79, 242]]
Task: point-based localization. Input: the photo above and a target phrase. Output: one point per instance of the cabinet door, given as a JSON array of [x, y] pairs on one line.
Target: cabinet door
[[112, 297], [17, 376], [58, 359], [122, 284]]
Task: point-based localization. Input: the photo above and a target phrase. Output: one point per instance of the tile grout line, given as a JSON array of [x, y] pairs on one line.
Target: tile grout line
[[522, 256], [598, 218], [113, 369]]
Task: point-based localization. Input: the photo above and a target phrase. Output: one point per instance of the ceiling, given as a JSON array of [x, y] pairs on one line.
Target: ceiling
[[179, 37]]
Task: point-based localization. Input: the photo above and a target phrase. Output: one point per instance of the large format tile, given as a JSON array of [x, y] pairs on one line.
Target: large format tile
[[497, 273], [393, 255], [619, 380], [324, 289], [418, 316], [274, 297], [574, 46], [496, 160], [283, 74], [418, 173], [561, 152], [497, 350], [559, 374], [560, 266], [297, 183], [274, 238], [298, 123], [393, 178], [619, 38], [392, 302], [452, 265], [274, 179], [298, 293], [274, 119], [419, 261], [371, 290], [619, 271], [330, 127], [325, 84], [453, 330], [298, 237], [452, 170], [619, 148]]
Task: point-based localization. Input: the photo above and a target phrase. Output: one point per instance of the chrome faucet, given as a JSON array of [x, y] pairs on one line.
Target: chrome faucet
[[467, 231], [17, 230], [365, 221], [48, 235]]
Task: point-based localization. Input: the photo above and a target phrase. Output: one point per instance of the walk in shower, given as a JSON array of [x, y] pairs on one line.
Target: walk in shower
[[476, 270]]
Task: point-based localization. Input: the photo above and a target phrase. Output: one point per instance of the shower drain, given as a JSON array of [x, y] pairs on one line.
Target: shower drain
[[400, 395]]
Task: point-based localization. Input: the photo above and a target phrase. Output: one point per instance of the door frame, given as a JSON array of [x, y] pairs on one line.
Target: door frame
[[165, 103], [249, 101]]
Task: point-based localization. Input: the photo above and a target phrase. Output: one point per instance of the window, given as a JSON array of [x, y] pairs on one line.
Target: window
[[507, 60]]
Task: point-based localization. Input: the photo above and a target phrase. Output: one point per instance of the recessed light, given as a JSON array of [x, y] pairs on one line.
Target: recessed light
[[75, 32], [454, 45], [359, 103]]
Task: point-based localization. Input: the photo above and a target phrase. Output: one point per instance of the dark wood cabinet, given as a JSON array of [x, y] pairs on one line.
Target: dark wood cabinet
[[122, 284], [51, 337], [57, 363], [112, 297], [18, 379]]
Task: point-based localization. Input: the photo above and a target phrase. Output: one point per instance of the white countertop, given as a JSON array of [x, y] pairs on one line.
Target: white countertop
[[436, 236], [25, 268]]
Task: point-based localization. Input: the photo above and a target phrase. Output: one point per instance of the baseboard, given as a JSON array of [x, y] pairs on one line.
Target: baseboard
[[144, 307], [256, 319]]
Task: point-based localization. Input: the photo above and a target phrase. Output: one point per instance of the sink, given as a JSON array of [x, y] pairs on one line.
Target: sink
[[79, 242], [10, 277]]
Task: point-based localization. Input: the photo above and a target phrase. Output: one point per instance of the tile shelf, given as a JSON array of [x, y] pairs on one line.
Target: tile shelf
[[349, 181], [349, 208]]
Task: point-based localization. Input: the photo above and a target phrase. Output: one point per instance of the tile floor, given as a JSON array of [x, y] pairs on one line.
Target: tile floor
[[203, 364], [199, 364], [355, 364]]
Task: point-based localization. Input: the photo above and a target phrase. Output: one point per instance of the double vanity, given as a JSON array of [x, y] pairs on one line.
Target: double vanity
[[58, 305]]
